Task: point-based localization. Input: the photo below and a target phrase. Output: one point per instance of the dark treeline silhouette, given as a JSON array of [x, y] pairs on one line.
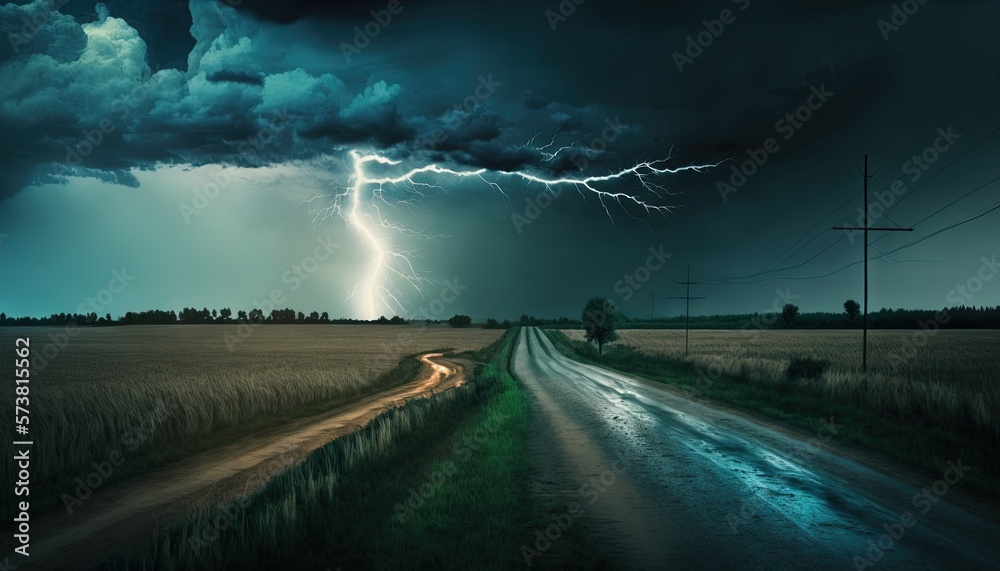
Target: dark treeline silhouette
[[959, 317], [190, 315]]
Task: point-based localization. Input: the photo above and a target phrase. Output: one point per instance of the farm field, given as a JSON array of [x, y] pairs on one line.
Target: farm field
[[950, 375], [961, 356], [141, 388]]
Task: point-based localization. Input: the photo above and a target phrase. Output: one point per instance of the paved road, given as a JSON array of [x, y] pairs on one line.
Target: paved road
[[654, 480], [128, 512]]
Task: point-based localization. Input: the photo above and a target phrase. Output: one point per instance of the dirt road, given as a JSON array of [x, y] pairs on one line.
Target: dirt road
[[654, 480], [128, 512]]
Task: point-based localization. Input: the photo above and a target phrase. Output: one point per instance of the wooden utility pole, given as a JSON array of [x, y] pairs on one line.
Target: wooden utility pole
[[687, 308], [866, 228]]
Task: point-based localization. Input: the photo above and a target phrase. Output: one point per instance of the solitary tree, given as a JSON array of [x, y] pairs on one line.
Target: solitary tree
[[789, 312], [599, 319], [852, 308]]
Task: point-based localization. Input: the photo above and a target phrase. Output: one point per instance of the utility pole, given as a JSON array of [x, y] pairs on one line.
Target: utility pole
[[866, 228], [687, 308]]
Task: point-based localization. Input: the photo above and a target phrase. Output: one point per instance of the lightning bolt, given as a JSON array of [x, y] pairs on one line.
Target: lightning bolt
[[391, 275]]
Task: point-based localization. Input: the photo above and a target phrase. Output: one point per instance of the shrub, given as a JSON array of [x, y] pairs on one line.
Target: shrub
[[806, 368]]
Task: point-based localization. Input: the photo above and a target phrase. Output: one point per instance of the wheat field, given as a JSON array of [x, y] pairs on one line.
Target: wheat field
[[950, 376], [131, 388]]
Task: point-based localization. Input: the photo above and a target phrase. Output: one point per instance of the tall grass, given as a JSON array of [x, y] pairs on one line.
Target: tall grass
[[154, 393], [951, 380], [337, 508], [920, 423], [298, 506]]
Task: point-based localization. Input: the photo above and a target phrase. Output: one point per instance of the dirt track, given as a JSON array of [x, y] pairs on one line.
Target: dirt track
[[127, 512]]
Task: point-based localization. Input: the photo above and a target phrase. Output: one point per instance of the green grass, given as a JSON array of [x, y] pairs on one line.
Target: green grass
[[439, 483], [913, 440]]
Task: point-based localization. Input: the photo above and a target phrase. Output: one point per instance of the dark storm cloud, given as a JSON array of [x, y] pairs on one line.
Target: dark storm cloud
[[81, 99], [532, 101], [236, 77], [288, 11], [87, 92], [84, 101]]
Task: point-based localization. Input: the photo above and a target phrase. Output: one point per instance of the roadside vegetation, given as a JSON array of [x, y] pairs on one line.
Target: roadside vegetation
[[440, 483], [117, 402], [920, 419]]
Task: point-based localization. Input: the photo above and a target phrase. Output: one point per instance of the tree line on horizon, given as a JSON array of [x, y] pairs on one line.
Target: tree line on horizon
[[959, 317], [190, 315]]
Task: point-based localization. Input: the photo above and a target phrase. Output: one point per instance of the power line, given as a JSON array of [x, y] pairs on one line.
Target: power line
[[993, 208], [963, 197], [736, 278], [815, 226], [723, 281], [768, 269], [936, 125], [939, 171]]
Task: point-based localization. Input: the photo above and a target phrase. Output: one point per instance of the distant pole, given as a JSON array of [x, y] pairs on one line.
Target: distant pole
[[866, 228], [687, 308]]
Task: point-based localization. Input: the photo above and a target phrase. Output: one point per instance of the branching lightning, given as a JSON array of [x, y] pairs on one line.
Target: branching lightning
[[391, 273]]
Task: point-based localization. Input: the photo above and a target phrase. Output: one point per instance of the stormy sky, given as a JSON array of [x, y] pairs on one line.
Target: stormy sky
[[204, 150]]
